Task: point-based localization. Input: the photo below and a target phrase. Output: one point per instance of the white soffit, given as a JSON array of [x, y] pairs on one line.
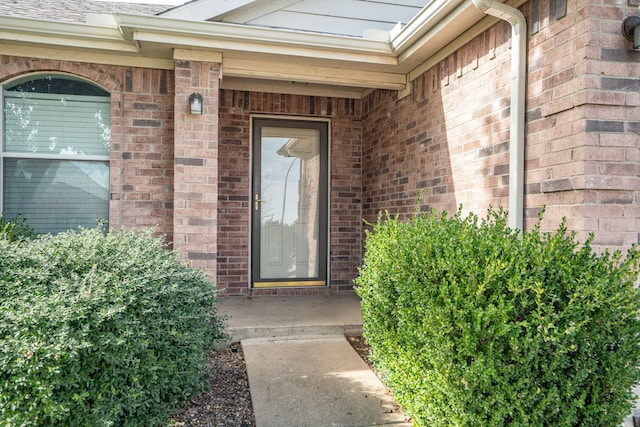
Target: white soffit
[[436, 26], [312, 74], [292, 88]]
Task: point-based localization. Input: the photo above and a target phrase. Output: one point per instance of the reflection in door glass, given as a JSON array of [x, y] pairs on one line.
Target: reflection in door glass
[[289, 211]]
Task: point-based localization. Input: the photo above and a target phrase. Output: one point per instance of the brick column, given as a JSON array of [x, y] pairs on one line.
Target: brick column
[[195, 207]]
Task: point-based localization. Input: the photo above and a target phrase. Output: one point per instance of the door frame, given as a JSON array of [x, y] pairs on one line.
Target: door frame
[[283, 120]]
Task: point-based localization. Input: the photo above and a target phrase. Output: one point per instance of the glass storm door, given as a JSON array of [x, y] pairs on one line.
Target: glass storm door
[[289, 203]]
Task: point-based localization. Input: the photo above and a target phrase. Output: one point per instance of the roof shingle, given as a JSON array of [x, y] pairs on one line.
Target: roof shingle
[[73, 10]]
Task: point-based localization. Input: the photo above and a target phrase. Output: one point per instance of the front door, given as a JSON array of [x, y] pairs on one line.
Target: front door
[[289, 203]]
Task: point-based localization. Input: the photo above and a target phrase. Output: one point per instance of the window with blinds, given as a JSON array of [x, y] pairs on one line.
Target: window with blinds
[[55, 157]]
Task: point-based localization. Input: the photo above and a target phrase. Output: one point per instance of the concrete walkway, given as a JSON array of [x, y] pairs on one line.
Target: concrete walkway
[[301, 369]]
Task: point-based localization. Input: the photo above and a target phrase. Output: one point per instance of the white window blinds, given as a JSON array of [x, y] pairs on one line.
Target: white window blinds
[[55, 159], [56, 124]]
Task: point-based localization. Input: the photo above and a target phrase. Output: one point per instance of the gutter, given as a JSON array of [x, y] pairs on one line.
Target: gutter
[[281, 41], [518, 84], [72, 34], [427, 18]]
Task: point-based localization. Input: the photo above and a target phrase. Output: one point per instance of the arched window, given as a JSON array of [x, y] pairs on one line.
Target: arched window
[[55, 152]]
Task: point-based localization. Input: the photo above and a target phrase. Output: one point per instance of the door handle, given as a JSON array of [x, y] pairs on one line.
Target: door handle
[[258, 201]]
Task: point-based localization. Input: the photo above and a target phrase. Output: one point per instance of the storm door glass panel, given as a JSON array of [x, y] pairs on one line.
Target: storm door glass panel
[[289, 203]]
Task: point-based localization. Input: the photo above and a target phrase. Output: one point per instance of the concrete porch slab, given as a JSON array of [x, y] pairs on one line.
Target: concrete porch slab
[[276, 316]]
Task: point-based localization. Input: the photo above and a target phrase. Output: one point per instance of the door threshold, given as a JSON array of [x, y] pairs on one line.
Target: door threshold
[[292, 284]]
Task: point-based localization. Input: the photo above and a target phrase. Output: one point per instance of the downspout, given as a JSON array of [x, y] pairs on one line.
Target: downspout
[[518, 82]]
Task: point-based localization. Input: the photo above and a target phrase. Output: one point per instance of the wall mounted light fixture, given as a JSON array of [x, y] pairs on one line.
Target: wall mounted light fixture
[[195, 103], [631, 30]]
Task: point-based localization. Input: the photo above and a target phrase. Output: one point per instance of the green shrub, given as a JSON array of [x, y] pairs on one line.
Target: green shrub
[[473, 324], [100, 330], [16, 228]]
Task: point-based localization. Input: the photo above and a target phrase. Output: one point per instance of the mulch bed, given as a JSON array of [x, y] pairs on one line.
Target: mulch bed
[[227, 403], [228, 400]]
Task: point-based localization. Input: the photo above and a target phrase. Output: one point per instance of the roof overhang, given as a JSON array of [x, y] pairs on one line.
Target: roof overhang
[[101, 43], [252, 58]]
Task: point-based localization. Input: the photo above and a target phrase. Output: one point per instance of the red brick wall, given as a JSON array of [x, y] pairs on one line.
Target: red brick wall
[[195, 214], [142, 150], [449, 138], [236, 107], [583, 143], [233, 194], [141, 163], [448, 141]]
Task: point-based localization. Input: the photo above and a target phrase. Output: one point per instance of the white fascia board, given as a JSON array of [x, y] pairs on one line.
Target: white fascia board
[[83, 55], [277, 40], [70, 29], [144, 38], [205, 9], [28, 30], [426, 19]]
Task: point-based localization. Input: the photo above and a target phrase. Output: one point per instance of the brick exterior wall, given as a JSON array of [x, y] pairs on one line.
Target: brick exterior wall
[[583, 143], [142, 150], [236, 108], [195, 227], [449, 140]]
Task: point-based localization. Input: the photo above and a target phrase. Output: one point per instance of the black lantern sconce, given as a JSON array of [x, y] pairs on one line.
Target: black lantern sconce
[[631, 30], [195, 103]]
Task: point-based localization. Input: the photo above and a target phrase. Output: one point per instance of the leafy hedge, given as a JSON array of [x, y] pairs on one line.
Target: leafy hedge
[[100, 330], [473, 324], [15, 228]]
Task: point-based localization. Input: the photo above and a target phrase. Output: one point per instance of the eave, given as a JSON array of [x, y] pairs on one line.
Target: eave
[[272, 55], [240, 38], [41, 32], [71, 42], [254, 58]]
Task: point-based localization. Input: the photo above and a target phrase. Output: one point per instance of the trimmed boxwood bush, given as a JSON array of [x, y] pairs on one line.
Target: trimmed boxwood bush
[[473, 324], [100, 330]]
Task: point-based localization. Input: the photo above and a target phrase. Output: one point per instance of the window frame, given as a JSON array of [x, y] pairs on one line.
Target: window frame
[[57, 157]]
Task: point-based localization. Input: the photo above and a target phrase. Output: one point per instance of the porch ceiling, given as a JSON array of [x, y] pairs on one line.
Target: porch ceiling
[[277, 45]]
